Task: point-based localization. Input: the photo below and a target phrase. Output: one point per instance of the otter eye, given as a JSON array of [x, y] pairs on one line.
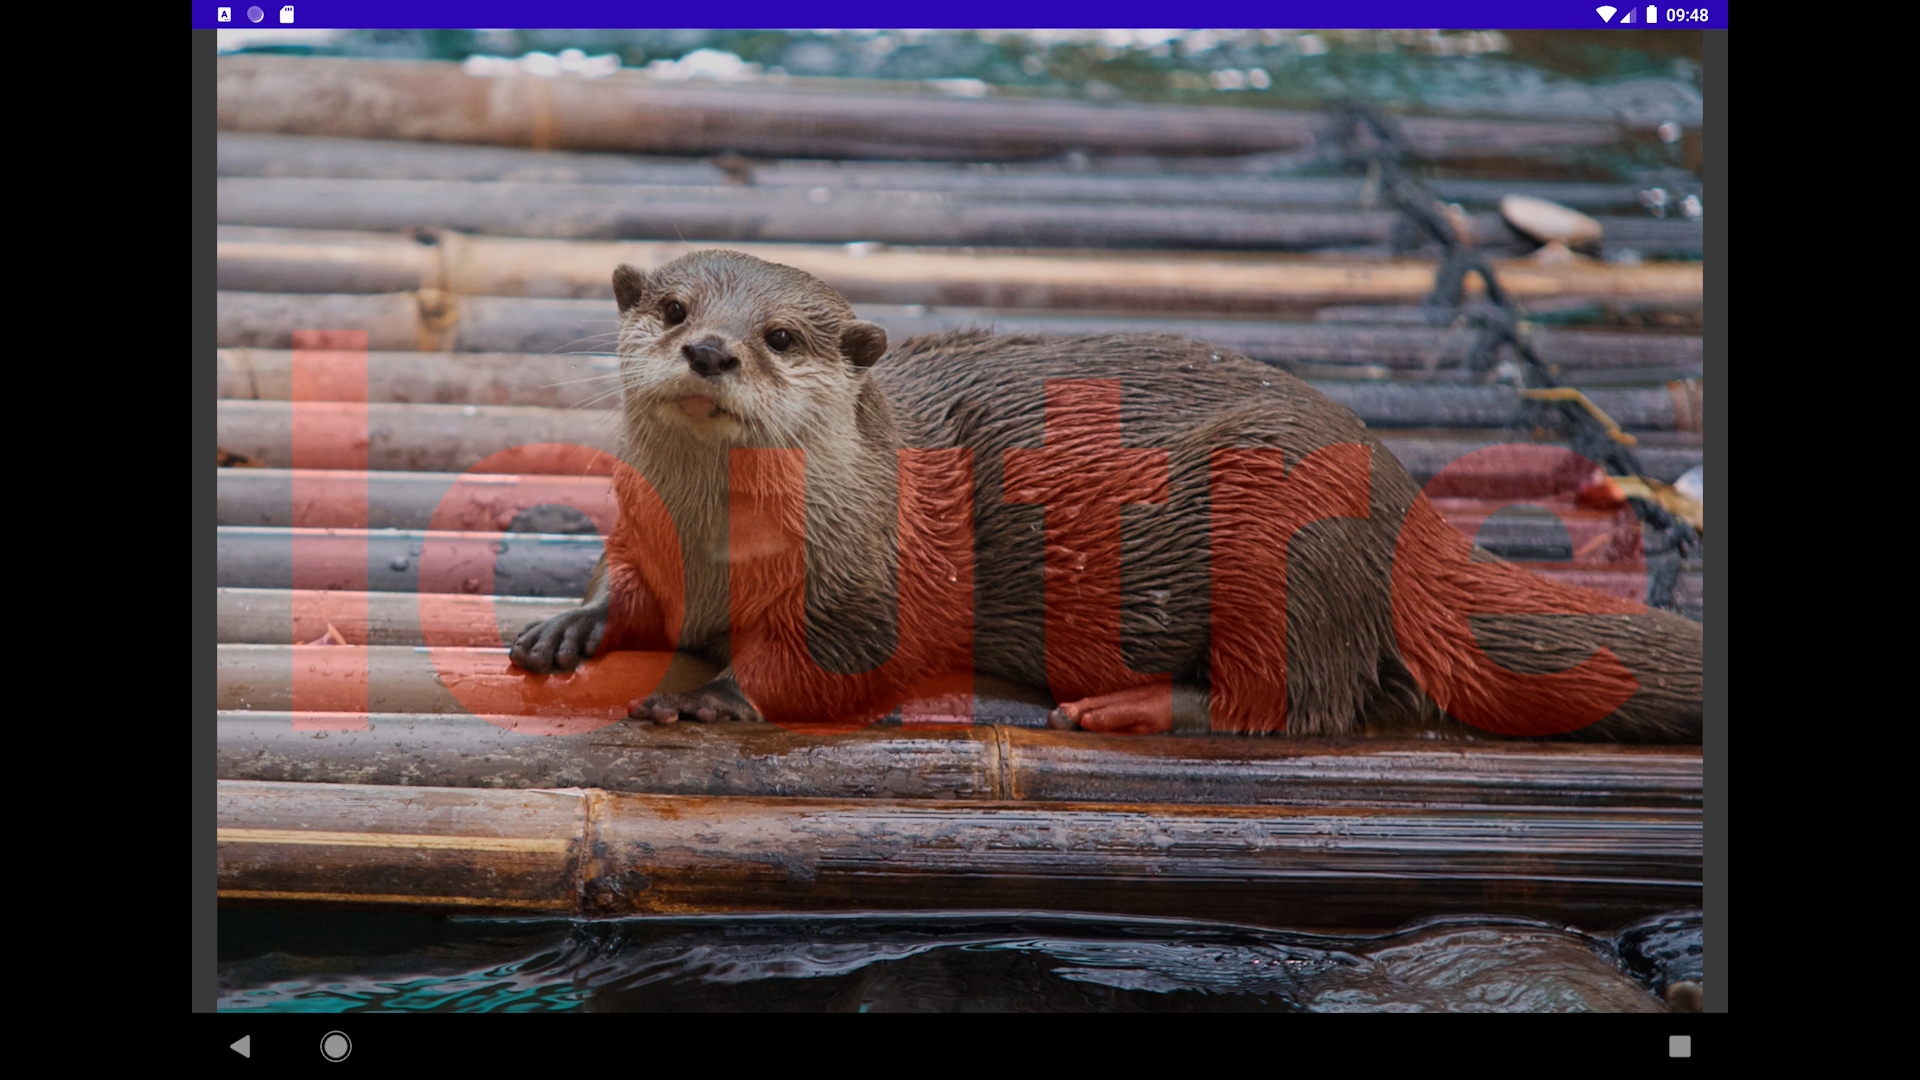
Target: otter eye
[[779, 340], [676, 312]]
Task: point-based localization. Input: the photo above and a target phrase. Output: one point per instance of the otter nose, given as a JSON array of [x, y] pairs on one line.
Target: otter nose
[[708, 359]]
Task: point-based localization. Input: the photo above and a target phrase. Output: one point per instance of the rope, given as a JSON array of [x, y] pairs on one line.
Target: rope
[[1363, 138]]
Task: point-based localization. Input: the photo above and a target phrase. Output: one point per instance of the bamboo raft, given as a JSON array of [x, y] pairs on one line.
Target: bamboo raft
[[418, 503]]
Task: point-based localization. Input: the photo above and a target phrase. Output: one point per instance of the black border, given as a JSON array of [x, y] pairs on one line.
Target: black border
[[206, 974], [1713, 178]]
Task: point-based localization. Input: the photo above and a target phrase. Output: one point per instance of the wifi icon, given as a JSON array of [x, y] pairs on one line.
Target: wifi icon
[[1606, 13]]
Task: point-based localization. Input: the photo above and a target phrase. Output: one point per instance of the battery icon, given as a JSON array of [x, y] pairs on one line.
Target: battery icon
[[1653, 14]]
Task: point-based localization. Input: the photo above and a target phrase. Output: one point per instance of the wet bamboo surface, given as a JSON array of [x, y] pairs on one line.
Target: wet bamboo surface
[[263, 260], [377, 526], [726, 214], [579, 381], [1231, 180], [298, 616], [443, 680], [980, 761], [632, 113], [594, 852], [414, 768], [494, 503], [474, 502], [390, 437], [549, 565], [439, 324], [282, 616], [406, 561]]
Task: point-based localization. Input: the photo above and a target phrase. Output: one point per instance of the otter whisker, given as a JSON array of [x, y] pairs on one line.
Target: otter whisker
[[565, 346], [575, 382], [607, 395]]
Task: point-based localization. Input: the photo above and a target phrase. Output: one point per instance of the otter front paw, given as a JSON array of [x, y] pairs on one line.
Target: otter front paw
[[562, 642], [716, 701]]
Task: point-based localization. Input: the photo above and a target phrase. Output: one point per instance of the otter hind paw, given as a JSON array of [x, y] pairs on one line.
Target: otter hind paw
[[712, 703], [1138, 711]]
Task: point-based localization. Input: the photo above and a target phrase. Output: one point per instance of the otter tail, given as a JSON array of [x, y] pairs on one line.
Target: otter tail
[[1508, 651]]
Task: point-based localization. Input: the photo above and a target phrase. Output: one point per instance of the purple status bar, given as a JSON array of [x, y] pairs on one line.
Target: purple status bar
[[1351, 14]]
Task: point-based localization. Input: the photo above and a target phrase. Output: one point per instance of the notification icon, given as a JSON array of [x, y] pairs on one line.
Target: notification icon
[[256, 14], [286, 15], [224, 14]]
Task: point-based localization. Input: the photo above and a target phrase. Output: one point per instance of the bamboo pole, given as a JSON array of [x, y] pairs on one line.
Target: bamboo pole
[[734, 215], [437, 321], [494, 504], [1173, 182], [724, 214], [981, 761], [1390, 405], [557, 567], [693, 759], [1425, 455], [321, 261], [563, 382], [278, 616], [405, 561], [335, 687], [298, 616], [352, 680], [632, 113], [520, 439], [592, 852], [350, 561], [577, 381], [474, 502], [421, 438]]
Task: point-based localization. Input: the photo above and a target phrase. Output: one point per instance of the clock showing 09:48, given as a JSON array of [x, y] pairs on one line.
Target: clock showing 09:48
[[1680, 15]]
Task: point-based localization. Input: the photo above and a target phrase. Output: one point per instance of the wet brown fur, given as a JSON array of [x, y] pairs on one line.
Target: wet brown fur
[[1345, 669], [1345, 672]]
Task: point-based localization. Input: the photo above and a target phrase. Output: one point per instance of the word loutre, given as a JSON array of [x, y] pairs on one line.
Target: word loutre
[[1084, 479]]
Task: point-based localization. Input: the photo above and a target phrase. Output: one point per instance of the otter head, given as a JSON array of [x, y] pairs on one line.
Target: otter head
[[726, 348]]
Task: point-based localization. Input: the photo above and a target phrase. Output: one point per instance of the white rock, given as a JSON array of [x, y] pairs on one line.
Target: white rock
[[1547, 221], [704, 64], [966, 88], [1691, 484]]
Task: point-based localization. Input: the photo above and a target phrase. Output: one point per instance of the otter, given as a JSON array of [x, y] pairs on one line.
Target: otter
[[1158, 533]]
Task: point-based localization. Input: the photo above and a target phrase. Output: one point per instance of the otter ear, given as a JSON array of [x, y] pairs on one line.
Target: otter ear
[[629, 286], [862, 343]]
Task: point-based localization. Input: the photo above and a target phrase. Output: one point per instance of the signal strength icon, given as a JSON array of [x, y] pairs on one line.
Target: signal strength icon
[[1628, 17], [1606, 13]]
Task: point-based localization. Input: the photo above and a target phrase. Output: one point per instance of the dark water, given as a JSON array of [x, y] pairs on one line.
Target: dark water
[[324, 963]]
